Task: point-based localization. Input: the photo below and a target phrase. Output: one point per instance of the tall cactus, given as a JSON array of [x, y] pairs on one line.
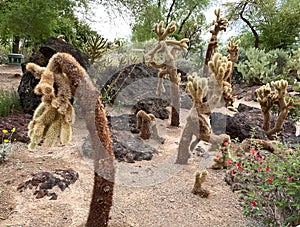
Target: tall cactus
[[169, 48], [71, 80], [220, 24]]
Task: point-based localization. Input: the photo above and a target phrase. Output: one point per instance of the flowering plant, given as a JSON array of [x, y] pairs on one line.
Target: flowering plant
[[6, 146], [270, 185]]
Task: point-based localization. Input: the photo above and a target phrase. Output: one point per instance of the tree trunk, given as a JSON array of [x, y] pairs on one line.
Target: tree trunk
[[255, 34], [16, 44], [175, 99]]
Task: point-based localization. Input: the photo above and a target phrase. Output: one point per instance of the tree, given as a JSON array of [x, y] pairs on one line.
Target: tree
[[35, 20], [187, 13], [273, 23]]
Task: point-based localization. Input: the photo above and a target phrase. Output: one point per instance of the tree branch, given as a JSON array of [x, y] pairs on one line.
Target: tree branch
[[185, 19], [256, 42], [170, 10]]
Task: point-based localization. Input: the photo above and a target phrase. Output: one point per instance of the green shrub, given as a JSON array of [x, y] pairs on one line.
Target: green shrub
[[9, 102], [259, 67]]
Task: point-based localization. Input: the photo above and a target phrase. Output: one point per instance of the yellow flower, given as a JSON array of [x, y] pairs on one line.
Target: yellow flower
[[6, 141], [13, 130], [4, 131]]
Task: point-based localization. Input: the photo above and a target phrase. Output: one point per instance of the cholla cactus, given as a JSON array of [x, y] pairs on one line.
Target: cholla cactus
[[95, 47], [55, 115], [267, 98], [144, 123], [220, 24], [169, 49], [200, 178], [221, 70], [197, 125], [233, 50], [197, 87]]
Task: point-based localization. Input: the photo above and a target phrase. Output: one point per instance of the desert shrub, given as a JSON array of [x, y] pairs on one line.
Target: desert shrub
[[262, 67], [259, 67], [9, 102], [280, 58], [297, 86], [270, 185]]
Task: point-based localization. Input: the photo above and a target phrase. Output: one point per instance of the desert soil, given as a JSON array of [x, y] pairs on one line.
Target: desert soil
[[146, 193]]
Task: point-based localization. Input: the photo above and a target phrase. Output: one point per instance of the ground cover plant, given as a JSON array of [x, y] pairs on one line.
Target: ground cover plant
[[268, 182]]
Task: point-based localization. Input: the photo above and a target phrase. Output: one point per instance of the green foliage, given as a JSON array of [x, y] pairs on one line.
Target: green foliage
[[187, 13], [293, 65], [9, 101], [275, 23], [259, 68], [141, 30], [3, 54], [76, 31], [270, 185], [297, 87], [33, 21], [6, 144], [281, 25], [294, 111]]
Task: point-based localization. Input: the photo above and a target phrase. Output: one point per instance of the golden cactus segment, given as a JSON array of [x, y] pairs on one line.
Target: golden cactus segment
[[54, 116], [280, 87], [267, 98], [197, 87], [221, 70], [233, 49]]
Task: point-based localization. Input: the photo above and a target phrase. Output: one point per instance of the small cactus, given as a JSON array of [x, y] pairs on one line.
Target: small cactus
[[200, 178], [267, 98], [143, 124]]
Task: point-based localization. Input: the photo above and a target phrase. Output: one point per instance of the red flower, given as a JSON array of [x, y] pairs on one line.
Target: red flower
[[225, 144], [217, 156], [271, 180], [232, 172], [289, 179], [267, 169], [253, 203], [229, 162], [238, 165], [252, 152]]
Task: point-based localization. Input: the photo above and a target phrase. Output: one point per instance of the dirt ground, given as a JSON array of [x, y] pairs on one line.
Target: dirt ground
[[146, 193]]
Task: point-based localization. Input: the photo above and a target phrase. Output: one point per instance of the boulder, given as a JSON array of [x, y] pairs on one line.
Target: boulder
[[126, 147], [29, 100], [135, 87], [245, 123]]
